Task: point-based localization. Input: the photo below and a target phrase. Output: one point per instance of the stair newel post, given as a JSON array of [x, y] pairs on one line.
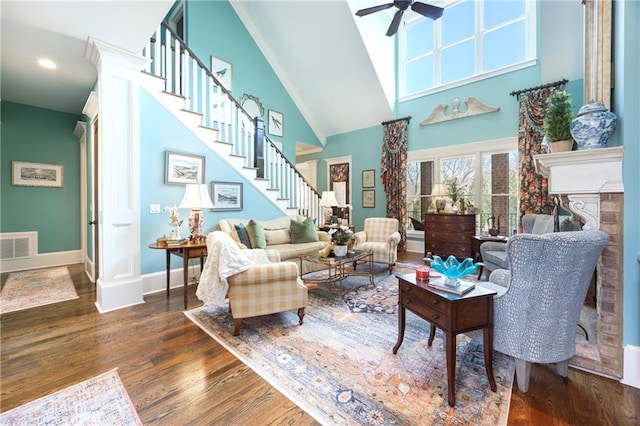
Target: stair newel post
[[258, 146]]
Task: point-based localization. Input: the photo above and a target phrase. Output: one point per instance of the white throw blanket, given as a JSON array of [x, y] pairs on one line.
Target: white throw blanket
[[224, 259]]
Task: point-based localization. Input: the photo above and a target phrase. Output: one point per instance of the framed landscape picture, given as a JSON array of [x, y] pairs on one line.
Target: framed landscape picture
[[182, 168], [276, 123], [226, 196], [368, 178], [223, 71], [36, 174], [369, 198]]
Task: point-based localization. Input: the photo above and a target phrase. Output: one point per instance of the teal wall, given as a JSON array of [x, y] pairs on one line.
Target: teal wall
[[213, 28], [160, 132], [626, 104], [41, 136]]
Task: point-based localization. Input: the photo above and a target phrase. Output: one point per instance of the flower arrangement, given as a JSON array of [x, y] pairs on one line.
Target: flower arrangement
[[174, 216], [340, 235]]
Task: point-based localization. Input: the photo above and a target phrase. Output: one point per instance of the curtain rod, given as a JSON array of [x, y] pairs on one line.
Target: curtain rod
[[543, 86], [384, 123]]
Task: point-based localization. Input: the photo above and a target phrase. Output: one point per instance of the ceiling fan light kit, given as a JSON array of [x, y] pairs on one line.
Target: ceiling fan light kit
[[426, 10]]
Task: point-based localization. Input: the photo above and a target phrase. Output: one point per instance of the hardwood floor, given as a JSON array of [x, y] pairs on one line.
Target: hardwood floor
[[176, 374]]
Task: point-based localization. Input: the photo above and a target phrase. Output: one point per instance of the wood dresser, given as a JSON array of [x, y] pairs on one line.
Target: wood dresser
[[449, 234]]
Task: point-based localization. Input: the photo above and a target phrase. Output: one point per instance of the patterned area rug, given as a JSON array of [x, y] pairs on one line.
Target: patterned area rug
[[37, 287], [101, 400], [338, 366]]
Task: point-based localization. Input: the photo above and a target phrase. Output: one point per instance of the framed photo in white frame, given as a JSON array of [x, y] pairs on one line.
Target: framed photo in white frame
[[37, 174], [276, 123], [183, 168], [223, 71]]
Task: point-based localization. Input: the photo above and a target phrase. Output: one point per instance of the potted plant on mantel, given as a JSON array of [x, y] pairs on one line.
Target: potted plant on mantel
[[557, 122]]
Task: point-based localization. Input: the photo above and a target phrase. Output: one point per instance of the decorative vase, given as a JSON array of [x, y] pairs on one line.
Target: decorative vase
[[175, 233], [593, 125], [340, 250]]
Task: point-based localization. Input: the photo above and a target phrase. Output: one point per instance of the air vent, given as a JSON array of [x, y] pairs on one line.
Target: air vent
[[17, 245]]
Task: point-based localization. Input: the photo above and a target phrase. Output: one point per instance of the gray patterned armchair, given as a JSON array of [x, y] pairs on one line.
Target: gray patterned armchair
[[494, 255], [539, 300]]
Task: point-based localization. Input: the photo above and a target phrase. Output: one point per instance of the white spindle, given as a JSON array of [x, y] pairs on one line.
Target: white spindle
[[168, 62], [157, 66]]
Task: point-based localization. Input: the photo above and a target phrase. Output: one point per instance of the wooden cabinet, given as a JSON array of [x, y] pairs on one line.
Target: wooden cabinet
[[449, 234]]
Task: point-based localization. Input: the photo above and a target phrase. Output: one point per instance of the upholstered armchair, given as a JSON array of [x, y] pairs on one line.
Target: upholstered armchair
[[255, 281], [381, 237], [539, 300], [494, 255]]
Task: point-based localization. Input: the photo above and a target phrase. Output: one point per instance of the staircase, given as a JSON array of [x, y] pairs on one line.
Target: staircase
[[180, 82]]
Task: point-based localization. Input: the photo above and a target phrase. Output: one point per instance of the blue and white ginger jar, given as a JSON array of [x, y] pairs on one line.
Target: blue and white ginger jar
[[593, 125]]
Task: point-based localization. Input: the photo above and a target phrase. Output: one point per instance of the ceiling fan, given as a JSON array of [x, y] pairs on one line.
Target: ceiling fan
[[426, 10]]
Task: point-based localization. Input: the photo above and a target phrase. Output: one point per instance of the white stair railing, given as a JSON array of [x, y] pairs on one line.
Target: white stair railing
[[186, 76]]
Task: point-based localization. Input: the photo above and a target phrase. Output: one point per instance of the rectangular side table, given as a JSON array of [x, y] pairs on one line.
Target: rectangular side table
[[452, 314]]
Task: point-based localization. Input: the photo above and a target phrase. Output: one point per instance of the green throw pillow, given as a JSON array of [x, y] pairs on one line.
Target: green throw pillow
[[256, 235], [303, 232]]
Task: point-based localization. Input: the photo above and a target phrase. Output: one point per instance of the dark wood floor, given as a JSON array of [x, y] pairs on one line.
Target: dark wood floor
[[176, 374]]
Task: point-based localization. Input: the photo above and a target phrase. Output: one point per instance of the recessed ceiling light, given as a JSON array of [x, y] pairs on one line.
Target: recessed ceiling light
[[47, 63]]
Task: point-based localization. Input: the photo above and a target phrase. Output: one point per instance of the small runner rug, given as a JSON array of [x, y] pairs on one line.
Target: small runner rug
[[339, 366], [37, 287], [101, 400]]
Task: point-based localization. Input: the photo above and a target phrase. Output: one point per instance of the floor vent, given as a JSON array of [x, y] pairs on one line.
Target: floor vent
[[18, 245]]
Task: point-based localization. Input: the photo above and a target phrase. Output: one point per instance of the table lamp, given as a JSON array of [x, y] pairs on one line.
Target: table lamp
[[196, 197], [329, 200], [438, 191]]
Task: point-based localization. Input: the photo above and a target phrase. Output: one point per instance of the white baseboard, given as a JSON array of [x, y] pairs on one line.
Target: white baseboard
[[118, 295], [415, 246], [90, 269], [631, 369], [44, 260], [157, 281]]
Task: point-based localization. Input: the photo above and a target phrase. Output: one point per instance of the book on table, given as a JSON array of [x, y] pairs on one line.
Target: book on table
[[463, 287]]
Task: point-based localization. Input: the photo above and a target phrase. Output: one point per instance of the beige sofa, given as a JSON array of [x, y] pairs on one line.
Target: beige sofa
[[278, 237]]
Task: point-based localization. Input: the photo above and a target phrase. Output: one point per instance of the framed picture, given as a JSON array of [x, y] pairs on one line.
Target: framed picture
[[223, 71], [276, 123], [182, 168], [369, 178], [226, 196], [369, 198], [37, 174]]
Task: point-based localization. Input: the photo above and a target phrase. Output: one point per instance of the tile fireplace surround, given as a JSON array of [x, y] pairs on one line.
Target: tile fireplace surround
[[592, 182]]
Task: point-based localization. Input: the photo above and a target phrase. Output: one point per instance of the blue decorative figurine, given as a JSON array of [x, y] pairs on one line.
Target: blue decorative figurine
[[452, 269]]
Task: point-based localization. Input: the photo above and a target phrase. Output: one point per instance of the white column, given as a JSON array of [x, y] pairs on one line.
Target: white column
[[119, 283]]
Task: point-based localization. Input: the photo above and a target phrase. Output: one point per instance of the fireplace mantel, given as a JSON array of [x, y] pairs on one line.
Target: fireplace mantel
[[582, 176]]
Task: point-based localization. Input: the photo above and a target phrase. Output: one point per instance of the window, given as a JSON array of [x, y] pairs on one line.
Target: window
[[473, 39], [486, 170]]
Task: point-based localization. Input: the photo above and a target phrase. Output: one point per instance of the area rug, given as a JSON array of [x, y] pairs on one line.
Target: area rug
[[37, 287], [101, 400], [339, 367]]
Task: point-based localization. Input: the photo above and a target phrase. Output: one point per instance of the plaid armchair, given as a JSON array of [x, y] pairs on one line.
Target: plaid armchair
[[381, 237]]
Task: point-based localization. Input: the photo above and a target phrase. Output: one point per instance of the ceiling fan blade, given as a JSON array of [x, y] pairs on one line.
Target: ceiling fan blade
[[427, 10], [395, 23], [368, 10]]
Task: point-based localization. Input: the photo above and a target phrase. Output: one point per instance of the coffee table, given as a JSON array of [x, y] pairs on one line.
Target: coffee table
[[336, 268]]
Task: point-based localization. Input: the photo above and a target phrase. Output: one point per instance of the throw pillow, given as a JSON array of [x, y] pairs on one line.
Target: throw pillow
[[243, 235], [277, 236], [303, 232], [256, 235]]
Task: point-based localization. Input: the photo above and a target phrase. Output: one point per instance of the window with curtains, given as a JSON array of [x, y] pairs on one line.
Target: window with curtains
[[487, 170], [474, 39]]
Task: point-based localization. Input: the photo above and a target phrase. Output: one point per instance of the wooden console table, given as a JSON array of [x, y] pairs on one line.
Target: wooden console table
[[452, 314], [186, 251]]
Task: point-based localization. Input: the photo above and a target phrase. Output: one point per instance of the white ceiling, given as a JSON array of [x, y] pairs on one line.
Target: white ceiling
[[314, 47], [59, 30]]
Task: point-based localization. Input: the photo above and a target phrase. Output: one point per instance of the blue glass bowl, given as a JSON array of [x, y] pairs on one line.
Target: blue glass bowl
[[453, 270]]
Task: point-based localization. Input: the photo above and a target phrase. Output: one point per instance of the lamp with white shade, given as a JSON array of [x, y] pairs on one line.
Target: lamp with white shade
[[196, 197], [328, 199], [439, 190]]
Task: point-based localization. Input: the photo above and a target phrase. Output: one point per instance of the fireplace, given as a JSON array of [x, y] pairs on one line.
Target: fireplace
[[591, 180]]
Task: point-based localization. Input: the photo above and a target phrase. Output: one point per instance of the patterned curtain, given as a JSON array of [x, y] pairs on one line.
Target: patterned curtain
[[394, 172], [534, 189]]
